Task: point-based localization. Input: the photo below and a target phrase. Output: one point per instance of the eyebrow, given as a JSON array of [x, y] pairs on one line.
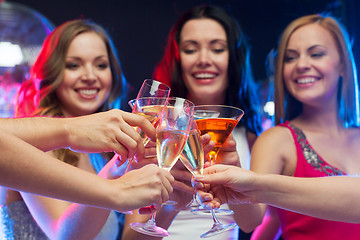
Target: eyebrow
[[79, 58], [189, 41], [315, 46], [196, 42], [309, 49]]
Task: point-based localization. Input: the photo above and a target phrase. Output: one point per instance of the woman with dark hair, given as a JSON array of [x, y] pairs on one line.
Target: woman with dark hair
[[207, 61], [238, 86], [316, 133]]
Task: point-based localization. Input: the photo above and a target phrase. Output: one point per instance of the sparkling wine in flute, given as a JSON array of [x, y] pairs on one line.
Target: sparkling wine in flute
[[169, 145], [193, 154], [151, 113], [219, 130], [171, 135], [150, 108]]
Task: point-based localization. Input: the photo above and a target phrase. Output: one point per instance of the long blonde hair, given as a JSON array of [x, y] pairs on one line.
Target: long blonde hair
[[286, 107]]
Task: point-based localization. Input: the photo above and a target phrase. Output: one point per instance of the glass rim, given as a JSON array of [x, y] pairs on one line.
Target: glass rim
[[190, 103], [134, 99], [131, 102], [165, 87], [219, 105]]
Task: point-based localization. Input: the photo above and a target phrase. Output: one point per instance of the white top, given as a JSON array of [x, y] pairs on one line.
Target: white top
[[242, 147], [187, 225]]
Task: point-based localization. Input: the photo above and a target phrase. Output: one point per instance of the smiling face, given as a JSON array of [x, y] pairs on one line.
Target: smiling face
[[204, 58], [312, 65], [87, 76]]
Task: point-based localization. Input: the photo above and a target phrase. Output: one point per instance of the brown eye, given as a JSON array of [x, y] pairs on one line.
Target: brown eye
[[71, 65], [317, 55], [103, 65], [219, 50], [288, 59], [189, 51]]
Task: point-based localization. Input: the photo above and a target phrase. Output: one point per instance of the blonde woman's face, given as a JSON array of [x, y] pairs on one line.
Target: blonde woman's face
[[204, 57], [87, 76], [312, 65]]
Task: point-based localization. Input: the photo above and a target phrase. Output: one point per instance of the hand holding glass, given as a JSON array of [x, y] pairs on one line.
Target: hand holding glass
[[143, 104], [218, 121], [171, 135]]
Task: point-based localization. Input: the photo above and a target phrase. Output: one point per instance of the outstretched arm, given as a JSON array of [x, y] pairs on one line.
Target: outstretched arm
[[65, 220], [26, 168], [317, 197], [100, 132]]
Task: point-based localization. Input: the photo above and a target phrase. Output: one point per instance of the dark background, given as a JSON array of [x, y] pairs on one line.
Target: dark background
[[139, 27]]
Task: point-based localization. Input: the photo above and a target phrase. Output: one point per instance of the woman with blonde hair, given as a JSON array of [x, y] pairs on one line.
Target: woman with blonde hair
[[77, 73], [317, 120]]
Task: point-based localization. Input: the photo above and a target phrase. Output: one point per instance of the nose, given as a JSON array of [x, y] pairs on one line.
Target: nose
[[303, 63], [204, 58], [89, 74]]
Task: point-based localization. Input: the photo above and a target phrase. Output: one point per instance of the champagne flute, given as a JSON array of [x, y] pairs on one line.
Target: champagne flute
[[171, 135], [149, 89], [153, 88], [150, 108], [218, 121], [193, 156]]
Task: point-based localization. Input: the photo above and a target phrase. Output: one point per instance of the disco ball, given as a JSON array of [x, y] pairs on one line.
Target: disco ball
[[22, 32]]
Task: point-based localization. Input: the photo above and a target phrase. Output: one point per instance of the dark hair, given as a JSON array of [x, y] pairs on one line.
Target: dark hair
[[241, 88]]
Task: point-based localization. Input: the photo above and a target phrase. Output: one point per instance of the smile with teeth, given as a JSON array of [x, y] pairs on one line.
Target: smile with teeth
[[88, 92], [204, 75], [306, 80]]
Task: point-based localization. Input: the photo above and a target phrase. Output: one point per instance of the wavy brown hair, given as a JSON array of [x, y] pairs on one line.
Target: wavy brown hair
[[37, 95]]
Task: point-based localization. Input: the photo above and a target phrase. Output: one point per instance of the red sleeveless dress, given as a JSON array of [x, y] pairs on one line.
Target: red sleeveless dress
[[300, 227]]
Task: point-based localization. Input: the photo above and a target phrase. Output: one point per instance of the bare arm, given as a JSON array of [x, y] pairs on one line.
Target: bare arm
[[318, 197], [100, 132], [25, 168], [266, 157], [65, 220]]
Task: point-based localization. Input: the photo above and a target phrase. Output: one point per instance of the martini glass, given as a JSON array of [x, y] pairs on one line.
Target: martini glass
[[171, 135], [218, 121]]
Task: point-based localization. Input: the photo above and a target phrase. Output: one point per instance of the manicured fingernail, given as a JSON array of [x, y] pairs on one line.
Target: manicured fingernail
[[208, 198]]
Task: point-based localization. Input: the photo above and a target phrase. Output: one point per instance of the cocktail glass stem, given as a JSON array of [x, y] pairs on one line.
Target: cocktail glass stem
[[151, 222], [129, 164], [212, 159]]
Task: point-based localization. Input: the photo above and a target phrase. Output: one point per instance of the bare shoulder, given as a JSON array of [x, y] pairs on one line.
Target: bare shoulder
[[276, 134], [274, 151], [275, 139]]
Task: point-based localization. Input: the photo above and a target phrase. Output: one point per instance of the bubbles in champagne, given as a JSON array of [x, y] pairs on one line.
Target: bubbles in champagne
[[169, 145]]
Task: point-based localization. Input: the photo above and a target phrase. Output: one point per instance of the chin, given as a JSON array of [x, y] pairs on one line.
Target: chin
[[207, 93]]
